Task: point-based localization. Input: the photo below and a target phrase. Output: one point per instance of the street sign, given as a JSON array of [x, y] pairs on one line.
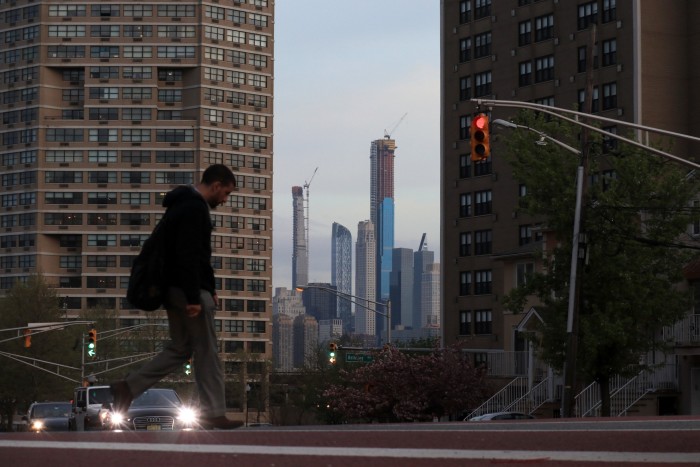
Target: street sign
[[358, 357]]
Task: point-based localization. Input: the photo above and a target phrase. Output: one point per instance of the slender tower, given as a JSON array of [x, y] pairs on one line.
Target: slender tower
[[382, 213], [341, 272], [300, 253], [365, 279]]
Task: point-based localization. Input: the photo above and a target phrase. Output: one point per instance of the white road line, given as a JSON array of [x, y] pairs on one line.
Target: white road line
[[571, 456]]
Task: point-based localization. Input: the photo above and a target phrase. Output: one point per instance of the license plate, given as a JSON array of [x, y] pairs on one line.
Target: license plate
[[153, 427]]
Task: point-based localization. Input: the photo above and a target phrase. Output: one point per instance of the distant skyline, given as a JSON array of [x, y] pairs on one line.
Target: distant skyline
[[346, 72]]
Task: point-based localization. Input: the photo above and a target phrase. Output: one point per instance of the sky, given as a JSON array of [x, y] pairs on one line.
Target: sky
[[346, 72]]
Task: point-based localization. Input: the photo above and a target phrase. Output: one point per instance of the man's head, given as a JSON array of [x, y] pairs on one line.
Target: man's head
[[218, 181]]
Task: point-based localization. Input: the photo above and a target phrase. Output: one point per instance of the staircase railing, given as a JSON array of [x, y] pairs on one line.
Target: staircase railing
[[512, 391], [534, 399], [625, 392]]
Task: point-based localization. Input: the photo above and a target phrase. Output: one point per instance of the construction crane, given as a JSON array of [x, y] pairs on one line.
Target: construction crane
[[422, 242], [306, 211], [387, 134]]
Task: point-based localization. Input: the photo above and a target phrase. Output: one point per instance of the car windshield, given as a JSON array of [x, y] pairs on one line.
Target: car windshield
[[51, 411], [100, 396], [157, 398]]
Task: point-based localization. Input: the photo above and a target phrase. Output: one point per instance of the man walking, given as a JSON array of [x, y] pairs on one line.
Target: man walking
[[190, 299]]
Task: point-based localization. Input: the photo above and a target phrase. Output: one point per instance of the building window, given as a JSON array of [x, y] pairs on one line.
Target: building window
[[464, 124], [465, 243], [524, 32], [610, 143], [609, 96], [587, 14], [544, 25], [465, 282], [482, 242], [138, 72], [465, 166], [609, 10], [482, 282], [482, 45], [465, 49], [105, 10], [482, 167], [169, 95], [101, 51], [525, 73], [482, 8], [522, 273], [138, 10], [465, 11], [482, 202], [544, 68], [465, 88], [595, 103], [483, 84], [176, 10], [465, 205], [465, 322], [609, 52], [101, 197], [482, 322]]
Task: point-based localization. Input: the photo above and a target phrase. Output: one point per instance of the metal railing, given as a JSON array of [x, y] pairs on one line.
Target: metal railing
[[512, 391], [534, 399], [626, 392], [683, 332]]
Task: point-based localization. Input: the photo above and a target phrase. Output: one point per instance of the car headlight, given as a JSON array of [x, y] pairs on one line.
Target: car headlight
[[116, 418], [37, 425], [187, 416]]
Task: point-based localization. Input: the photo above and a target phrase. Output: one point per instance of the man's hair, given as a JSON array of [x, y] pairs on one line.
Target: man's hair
[[218, 173]]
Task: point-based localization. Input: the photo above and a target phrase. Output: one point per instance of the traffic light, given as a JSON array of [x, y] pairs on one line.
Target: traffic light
[[92, 343], [481, 148], [27, 338], [332, 348], [188, 367]]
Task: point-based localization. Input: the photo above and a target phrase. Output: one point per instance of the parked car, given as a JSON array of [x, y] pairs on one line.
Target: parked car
[[502, 416], [90, 404], [48, 416], [156, 409]]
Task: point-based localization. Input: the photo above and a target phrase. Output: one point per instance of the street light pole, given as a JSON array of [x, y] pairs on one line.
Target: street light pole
[[354, 299], [574, 283]]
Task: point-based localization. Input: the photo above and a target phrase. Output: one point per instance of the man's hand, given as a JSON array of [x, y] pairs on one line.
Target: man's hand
[[192, 311]]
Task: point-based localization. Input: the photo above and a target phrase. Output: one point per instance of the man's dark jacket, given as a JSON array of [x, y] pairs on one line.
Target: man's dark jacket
[[188, 243]]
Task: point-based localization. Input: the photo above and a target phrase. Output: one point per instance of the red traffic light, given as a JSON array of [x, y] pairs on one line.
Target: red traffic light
[[480, 143]]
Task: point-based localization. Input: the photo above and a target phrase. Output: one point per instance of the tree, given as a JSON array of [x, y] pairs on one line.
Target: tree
[[34, 301], [636, 211], [399, 386]]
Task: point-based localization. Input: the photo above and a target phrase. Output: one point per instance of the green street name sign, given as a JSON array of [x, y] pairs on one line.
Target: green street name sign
[[358, 357]]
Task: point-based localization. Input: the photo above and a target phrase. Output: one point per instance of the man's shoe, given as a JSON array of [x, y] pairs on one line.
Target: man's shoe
[[121, 396], [219, 423]]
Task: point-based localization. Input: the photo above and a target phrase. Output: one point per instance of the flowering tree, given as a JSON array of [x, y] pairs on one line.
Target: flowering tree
[[400, 386]]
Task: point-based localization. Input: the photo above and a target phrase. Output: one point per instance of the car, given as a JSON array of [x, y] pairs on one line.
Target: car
[[90, 404], [157, 409], [502, 416], [48, 416]]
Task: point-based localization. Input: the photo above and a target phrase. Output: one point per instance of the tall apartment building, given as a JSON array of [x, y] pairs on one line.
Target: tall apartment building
[[537, 51], [422, 260], [300, 249], [402, 288], [382, 208], [108, 106], [341, 272], [365, 279]]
